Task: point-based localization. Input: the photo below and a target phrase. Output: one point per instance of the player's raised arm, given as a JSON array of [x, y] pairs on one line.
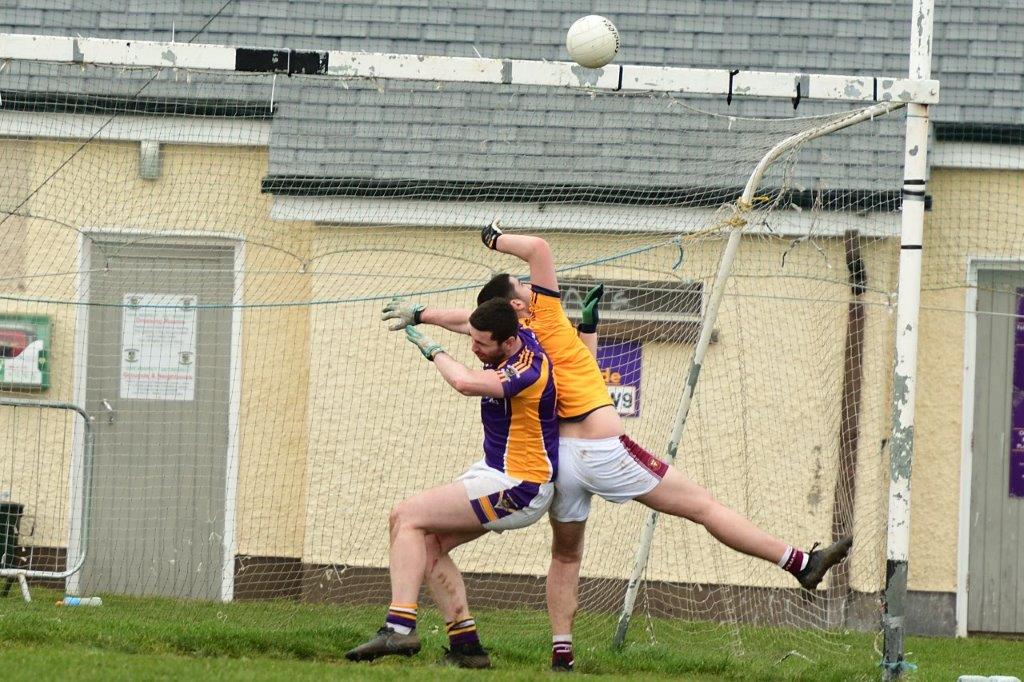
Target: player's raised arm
[[589, 318], [452, 319], [471, 382], [533, 250], [406, 313]]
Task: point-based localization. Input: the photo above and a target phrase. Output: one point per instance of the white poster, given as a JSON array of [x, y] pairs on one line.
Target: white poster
[[24, 368], [158, 347]]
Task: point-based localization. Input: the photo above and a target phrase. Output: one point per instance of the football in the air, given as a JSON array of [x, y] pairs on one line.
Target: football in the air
[[592, 41]]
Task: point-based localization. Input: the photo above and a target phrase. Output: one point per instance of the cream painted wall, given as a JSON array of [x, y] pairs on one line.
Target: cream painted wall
[[341, 419], [763, 433], [975, 214], [200, 189]]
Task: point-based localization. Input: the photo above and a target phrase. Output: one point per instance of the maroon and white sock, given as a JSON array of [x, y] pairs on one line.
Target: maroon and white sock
[[561, 651], [793, 560]]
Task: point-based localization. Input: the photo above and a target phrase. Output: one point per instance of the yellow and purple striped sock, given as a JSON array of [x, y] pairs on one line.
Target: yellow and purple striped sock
[[462, 632], [401, 618]]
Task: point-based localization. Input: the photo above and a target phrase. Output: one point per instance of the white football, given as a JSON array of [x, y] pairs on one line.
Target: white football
[[592, 41]]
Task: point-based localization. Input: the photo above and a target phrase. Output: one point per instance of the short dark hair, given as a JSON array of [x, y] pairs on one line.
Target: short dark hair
[[496, 316], [500, 286]]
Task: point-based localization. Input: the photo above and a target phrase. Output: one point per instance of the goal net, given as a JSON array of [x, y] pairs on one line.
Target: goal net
[[212, 253]]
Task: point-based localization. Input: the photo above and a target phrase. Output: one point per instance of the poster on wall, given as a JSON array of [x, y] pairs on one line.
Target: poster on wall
[[620, 364], [1017, 403], [24, 351], [158, 347]]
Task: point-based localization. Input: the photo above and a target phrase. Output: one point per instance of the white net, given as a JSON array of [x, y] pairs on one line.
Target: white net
[[213, 253]]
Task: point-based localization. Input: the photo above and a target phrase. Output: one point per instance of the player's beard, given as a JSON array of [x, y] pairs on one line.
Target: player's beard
[[495, 358]]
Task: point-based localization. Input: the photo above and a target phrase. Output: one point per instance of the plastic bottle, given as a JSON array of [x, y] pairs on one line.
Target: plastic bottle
[[80, 601]]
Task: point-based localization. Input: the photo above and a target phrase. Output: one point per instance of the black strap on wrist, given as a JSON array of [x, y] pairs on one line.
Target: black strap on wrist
[[587, 328], [417, 315]]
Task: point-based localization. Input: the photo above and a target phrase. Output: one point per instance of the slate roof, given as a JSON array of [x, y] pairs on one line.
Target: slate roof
[[468, 132]]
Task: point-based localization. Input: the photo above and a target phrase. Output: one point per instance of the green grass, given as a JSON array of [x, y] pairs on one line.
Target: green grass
[[131, 638]]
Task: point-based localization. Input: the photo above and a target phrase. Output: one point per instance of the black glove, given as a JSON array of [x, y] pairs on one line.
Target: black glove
[[489, 235]]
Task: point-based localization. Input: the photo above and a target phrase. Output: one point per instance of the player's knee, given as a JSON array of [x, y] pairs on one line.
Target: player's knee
[[434, 547], [701, 505], [567, 551], [401, 516], [570, 556]]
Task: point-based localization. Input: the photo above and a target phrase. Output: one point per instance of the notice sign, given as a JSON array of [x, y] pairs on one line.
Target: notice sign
[[158, 347], [1017, 403], [24, 351], [620, 364]]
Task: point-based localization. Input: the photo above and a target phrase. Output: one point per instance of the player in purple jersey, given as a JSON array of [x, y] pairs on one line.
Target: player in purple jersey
[[511, 487]]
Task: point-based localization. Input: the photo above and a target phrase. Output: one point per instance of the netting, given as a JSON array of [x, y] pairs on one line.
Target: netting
[[213, 253]]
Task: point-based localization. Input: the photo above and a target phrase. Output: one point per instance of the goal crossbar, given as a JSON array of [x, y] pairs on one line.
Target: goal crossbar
[[795, 86]]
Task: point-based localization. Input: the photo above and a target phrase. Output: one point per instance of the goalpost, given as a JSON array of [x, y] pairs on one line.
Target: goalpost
[[736, 223], [324, 253]]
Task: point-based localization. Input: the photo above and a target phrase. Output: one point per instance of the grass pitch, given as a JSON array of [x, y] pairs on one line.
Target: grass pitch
[[142, 639]]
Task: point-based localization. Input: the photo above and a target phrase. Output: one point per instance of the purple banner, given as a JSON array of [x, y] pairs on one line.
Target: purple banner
[[1017, 407], [620, 364]]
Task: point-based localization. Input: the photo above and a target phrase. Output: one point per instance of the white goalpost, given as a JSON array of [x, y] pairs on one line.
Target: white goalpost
[[138, 144], [915, 173], [337, 63], [736, 224]]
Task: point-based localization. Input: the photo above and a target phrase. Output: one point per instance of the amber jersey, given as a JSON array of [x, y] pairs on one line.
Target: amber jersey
[[521, 429], [578, 381]]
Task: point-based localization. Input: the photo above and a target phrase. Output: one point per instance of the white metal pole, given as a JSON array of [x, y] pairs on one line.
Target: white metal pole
[[736, 225], [901, 443]]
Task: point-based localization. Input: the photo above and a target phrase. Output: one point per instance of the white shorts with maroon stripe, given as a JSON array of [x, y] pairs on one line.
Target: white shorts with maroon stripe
[[617, 469]]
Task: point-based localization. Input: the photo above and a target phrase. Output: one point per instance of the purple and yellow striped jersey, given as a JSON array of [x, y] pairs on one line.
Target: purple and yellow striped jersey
[[521, 429]]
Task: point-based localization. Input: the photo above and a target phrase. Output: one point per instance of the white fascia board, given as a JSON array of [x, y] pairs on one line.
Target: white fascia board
[[977, 155], [341, 213], [164, 129]]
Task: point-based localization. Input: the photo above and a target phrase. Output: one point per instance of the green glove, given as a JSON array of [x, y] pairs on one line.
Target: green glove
[[427, 345], [404, 312], [489, 235], [589, 318]]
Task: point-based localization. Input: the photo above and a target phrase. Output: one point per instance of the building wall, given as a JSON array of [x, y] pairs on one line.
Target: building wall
[[975, 214], [201, 189], [341, 419]]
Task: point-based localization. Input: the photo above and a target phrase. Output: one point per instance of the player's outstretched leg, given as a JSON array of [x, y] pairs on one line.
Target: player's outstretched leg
[[679, 496], [819, 561], [444, 509]]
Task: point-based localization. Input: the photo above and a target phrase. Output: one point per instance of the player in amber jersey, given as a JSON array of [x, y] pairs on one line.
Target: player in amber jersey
[[595, 454]]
